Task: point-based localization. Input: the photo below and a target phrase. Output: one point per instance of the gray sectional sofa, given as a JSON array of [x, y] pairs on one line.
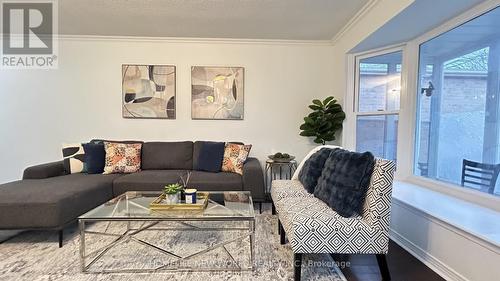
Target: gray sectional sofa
[[47, 198]]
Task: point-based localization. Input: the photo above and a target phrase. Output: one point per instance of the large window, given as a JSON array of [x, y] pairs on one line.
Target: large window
[[458, 105], [377, 106]]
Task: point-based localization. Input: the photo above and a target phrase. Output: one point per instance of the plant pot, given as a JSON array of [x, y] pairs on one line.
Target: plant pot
[[172, 198]]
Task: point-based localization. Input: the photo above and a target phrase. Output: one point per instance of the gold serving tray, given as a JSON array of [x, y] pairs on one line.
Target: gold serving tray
[[201, 204]]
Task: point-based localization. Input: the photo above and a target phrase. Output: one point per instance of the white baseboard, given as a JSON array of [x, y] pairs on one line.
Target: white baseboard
[[430, 261]]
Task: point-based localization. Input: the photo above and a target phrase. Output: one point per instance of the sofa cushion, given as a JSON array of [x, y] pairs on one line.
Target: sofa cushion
[[167, 155], [52, 202], [311, 171], [216, 181], [313, 227], [210, 156], [345, 180], [284, 189], [146, 180]]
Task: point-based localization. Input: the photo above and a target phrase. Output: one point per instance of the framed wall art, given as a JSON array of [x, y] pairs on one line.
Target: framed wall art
[[148, 91], [217, 93]]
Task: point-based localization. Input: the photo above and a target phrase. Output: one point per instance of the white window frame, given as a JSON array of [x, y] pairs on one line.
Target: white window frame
[[408, 109], [474, 196], [351, 104]]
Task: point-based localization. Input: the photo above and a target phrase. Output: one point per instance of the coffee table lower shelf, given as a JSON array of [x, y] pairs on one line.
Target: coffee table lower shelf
[[130, 234]]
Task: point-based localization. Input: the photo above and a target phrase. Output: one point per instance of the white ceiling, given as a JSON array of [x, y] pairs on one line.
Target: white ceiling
[[249, 19], [418, 18], [471, 36]]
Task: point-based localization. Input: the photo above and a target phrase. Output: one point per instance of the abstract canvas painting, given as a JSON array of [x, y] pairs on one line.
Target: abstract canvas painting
[[148, 91], [217, 92]]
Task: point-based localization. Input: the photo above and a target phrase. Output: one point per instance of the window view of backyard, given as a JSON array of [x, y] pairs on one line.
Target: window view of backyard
[[379, 86], [458, 106]]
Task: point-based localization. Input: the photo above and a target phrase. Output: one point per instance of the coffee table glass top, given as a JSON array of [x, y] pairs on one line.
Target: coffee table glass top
[[135, 205]]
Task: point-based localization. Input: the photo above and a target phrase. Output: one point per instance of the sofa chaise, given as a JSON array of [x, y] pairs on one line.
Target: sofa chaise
[[48, 199]]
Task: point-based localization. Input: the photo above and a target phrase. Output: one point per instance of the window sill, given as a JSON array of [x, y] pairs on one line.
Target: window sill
[[466, 194], [471, 219]]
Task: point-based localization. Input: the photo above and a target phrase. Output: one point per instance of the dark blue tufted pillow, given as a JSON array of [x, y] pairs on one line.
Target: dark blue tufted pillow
[[95, 157], [210, 156], [311, 170], [345, 181]]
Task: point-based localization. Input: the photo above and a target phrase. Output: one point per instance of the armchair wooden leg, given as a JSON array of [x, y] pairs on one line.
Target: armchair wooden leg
[[384, 269], [297, 266], [282, 233]]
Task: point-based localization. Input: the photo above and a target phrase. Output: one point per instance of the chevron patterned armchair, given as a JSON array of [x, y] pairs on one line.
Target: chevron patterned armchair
[[311, 226]]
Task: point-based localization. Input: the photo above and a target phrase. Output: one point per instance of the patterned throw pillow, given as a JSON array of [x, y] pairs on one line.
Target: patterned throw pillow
[[235, 156], [73, 158], [122, 158]]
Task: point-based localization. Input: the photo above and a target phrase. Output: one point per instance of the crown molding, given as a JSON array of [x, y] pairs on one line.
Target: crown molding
[[354, 20], [64, 37]]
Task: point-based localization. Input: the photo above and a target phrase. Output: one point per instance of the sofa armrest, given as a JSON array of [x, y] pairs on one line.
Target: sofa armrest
[[253, 178], [44, 171]]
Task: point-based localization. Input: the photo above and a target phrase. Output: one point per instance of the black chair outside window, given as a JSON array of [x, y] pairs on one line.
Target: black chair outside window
[[479, 175]]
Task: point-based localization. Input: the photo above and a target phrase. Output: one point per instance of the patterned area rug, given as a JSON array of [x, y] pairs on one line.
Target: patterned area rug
[[35, 256]]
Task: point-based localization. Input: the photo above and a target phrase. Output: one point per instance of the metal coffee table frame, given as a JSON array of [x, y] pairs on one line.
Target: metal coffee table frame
[[148, 224]]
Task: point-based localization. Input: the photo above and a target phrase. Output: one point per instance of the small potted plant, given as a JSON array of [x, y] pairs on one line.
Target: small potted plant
[[172, 193]]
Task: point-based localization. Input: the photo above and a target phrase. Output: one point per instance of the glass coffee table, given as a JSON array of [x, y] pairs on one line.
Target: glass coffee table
[[225, 227]]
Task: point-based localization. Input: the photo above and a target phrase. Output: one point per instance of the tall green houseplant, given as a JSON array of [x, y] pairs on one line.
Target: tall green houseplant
[[322, 124]]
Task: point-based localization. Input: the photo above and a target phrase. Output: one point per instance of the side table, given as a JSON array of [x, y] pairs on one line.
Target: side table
[[276, 170]]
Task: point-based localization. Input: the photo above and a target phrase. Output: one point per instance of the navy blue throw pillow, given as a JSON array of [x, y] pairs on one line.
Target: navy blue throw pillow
[[345, 181], [210, 156], [95, 157], [311, 170]]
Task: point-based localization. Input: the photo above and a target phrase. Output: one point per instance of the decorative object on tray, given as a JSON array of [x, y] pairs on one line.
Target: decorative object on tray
[[171, 192], [322, 124], [184, 182], [217, 93], [148, 91], [190, 195], [281, 157], [159, 203]]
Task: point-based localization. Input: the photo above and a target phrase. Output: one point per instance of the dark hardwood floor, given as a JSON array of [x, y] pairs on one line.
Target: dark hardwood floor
[[402, 265]]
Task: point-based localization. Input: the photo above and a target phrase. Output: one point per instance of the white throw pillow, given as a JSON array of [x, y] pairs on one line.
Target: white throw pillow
[[74, 158], [314, 150]]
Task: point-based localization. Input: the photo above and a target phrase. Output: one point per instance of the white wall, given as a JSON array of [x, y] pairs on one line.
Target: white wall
[[40, 109]]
